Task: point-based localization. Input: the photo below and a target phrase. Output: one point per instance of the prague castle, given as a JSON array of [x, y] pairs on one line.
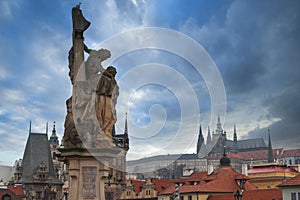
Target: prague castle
[[207, 156]]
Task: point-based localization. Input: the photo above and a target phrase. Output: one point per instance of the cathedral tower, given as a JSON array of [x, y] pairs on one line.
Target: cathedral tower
[[200, 140]]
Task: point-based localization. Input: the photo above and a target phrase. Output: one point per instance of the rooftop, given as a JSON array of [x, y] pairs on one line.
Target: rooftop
[[295, 181], [220, 181], [262, 194]]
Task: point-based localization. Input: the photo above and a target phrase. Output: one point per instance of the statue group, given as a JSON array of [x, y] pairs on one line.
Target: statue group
[[91, 112]]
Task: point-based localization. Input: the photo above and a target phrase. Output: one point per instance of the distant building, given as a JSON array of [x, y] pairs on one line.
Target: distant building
[[6, 173], [269, 175], [202, 185], [214, 145], [291, 189], [38, 176], [208, 154], [148, 189]]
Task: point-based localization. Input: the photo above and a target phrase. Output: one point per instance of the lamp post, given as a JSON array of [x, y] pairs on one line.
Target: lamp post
[[176, 195], [65, 195], [238, 195], [241, 183]]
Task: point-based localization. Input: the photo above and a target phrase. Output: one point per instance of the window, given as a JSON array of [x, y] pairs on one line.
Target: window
[[109, 196], [148, 192], [128, 193], [38, 195], [6, 197], [53, 195], [293, 196], [189, 197], [181, 197], [298, 195]]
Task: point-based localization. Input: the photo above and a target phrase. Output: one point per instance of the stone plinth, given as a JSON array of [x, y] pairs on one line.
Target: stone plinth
[[88, 171]]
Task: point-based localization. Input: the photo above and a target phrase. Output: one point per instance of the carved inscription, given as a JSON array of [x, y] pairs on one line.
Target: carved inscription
[[89, 182]]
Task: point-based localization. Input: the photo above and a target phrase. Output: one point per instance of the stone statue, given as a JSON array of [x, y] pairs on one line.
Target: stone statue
[[71, 137], [107, 92], [80, 24], [71, 61]]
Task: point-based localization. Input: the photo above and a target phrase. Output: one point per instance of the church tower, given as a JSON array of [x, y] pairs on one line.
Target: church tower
[[53, 138], [200, 140], [235, 139], [270, 151], [219, 129], [208, 140]]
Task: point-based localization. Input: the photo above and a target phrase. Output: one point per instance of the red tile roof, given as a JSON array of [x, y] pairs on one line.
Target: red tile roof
[[263, 194], [17, 189], [222, 180], [161, 185], [295, 181], [270, 168], [196, 176], [256, 155], [291, 152], [137, 185]]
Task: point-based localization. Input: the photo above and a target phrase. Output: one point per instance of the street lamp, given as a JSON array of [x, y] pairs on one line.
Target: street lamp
[[240, 180], [238, 195], [66, 195]]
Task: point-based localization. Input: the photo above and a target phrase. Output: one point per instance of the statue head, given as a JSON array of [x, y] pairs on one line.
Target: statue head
[[112, 70]]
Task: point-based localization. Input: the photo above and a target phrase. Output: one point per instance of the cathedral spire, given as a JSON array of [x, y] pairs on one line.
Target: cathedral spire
[[235, 146], [126, 126], [208, 136], [270, 151], [126, 139], [234, 135], [219, 129], [53, 137], [200, 140]]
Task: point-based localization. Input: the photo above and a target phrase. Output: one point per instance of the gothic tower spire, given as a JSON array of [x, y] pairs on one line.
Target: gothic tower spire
[[126, 139], [200, 140], [235, 139], [53, 137], [219, 129], [208, 136], [234, 135], [126, 126], [270, 151]]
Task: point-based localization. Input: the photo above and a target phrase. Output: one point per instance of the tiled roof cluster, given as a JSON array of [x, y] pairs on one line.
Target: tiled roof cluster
[[256, 155], [295, 181], [159, 184], [270, 168], [219, 181], [262, 194]]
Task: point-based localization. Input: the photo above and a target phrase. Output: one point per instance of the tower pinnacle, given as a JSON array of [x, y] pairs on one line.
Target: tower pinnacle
[[208, 136], [53, 137], [270, 151], [200, 140], [219, 129], [234, 135]]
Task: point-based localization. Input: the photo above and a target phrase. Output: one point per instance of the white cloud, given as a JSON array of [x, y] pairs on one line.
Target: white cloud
[[8, 8]]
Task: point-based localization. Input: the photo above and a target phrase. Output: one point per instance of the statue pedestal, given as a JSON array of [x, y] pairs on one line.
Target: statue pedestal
[[88, 171]]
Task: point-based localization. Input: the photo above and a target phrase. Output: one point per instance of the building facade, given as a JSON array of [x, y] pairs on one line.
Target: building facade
[[38, 176]]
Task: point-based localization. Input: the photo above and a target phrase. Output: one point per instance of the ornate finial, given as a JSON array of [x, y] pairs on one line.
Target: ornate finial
[[224, 154], [54, 125], [126, 126], [78, 5], [47, 128]]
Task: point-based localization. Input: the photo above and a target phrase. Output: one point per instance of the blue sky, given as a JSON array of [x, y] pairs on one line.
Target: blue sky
[[253, 44]]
